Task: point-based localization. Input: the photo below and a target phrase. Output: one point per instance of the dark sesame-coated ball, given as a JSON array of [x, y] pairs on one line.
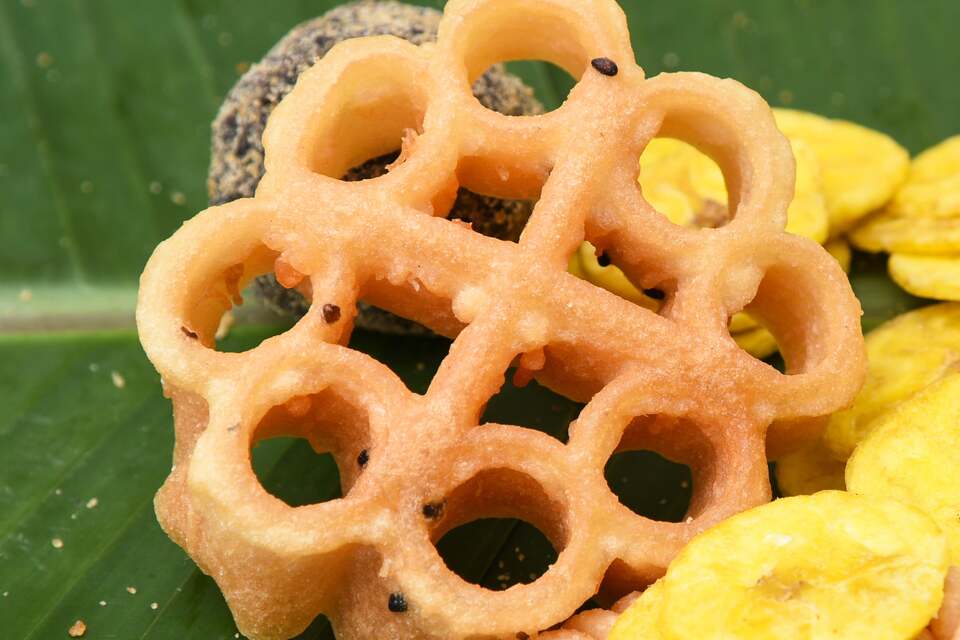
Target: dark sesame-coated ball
[[237, 152]]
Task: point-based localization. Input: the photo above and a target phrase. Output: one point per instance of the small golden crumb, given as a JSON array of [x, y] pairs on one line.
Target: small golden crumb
[[57, 543], [86, 187], [785, 96], [242, 67], [78, 629], [154, 605], [26, 295], [178, 198], [92, 502], [520, 557], [118, 380], [131, 590], [155, 187], [44, 59]]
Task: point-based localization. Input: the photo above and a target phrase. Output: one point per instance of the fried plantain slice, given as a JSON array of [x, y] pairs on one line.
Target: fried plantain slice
[[640, 620], [688, 188], [830, 565], [936, 277], [913, 455], [932, 188], [861, 169], [905, 355], [809, 470], [839, 248], [897, 233]]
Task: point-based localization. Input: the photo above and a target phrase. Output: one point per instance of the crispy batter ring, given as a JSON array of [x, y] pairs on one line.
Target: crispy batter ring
[[675, 383]]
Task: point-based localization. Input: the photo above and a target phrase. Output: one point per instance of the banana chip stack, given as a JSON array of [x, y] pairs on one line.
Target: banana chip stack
[[921, 226]]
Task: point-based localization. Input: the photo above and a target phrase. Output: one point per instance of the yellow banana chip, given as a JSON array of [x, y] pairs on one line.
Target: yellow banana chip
[[861, 169], [808, 471], [742, 322], [639, 621], [839, 248], [905, 355], [933, 184], [610, 277], [688, 188], [831, 565], [667, 170], [936, 277], [758, 342], [897, 233], [913, 455]]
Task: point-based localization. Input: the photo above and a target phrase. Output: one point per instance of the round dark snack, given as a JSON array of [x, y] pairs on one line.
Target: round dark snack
[[236, 164]]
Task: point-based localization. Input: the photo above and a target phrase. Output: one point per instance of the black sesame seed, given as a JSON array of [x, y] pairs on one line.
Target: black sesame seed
[[606, 66], [189, 333], [433, 510], [397, 603], [656, 294], [603, 260], [331, 313], [363, 458]]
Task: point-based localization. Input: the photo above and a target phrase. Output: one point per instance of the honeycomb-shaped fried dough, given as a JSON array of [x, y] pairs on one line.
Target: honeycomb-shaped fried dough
[[672, 381]]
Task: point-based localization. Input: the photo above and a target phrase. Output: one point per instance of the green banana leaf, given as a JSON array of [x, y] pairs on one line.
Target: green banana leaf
[[104, 140]]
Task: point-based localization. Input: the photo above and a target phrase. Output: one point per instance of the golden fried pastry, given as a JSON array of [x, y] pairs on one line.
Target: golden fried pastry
[[412, 466]]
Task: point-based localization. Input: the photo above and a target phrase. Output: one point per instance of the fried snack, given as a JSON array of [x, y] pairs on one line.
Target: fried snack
[[905, 354], [672, 382], [689, 189], [936, 277], [830, 565], [861, 169], [236, 164], [946, 626], [757, 341], [839, 248], [584, 264], [593, 624], [641, 619], [809, 470], [913, 455], [898, 233], [924, 216], [932, 188]]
